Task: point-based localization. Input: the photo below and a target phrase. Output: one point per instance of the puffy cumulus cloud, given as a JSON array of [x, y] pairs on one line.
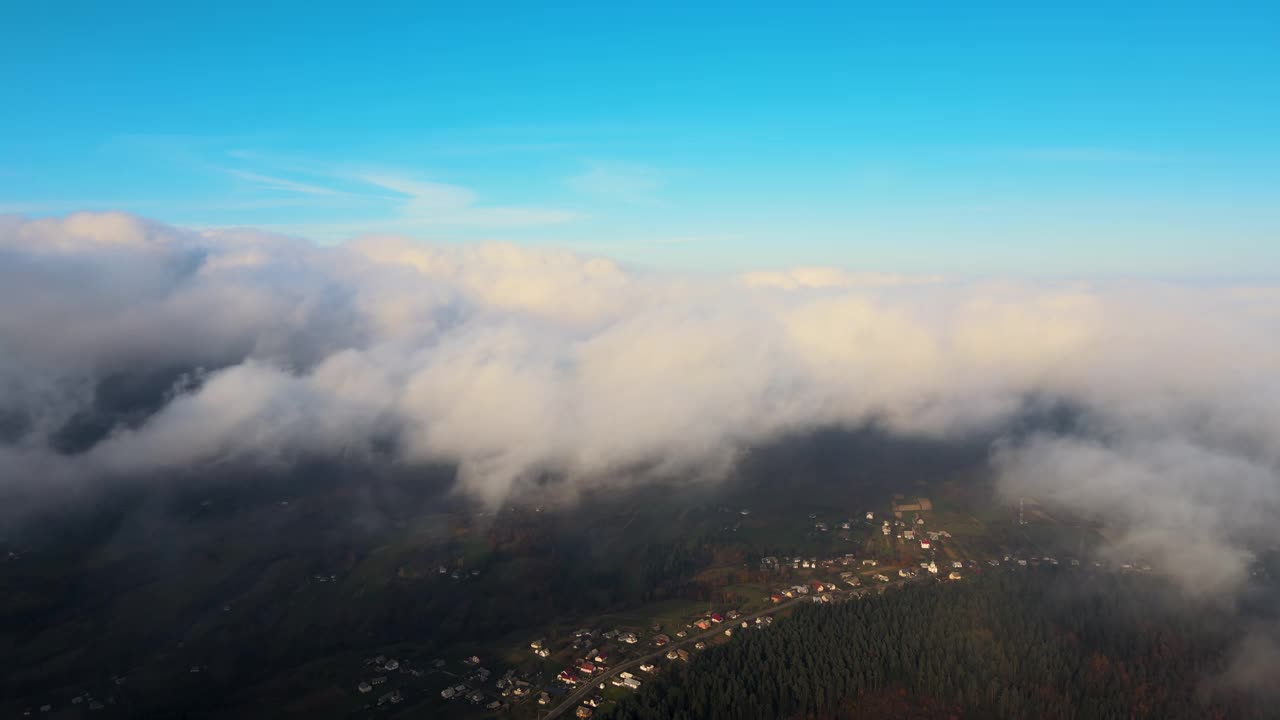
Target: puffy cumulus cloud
[[554, 284], [519, 363], [85, 232]]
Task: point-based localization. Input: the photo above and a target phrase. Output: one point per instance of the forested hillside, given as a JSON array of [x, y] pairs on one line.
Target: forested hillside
[[1029, 644]]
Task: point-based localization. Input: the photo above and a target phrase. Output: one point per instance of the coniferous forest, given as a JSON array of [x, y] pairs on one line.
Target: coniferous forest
[[1043, 644]]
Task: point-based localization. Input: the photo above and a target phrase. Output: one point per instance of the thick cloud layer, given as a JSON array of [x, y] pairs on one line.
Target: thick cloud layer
[[517, 362]]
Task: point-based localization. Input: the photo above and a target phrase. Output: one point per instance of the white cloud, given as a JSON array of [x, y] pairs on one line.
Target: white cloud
[[827, 277], [514, 361], [432, 203], [619, 182], [278, 183], [411, 205]]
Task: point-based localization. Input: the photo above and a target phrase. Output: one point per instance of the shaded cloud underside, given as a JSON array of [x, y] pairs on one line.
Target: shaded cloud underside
[[513, 362]]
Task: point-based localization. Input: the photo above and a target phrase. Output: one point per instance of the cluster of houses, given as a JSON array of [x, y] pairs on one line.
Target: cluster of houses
[[457, 574], [593, 662], [462, 692], [818, 589], [849, 524], [1035, 561], [927, 538], [86, 700], [626, 680], [932, 567], [511, 686], [772, 563], [508, 685], [384, 664], [909, 530]]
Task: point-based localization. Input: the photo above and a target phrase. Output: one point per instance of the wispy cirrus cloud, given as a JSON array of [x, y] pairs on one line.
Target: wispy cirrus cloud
[[393, 201], [434, 203], [271, 182], [619, 182]]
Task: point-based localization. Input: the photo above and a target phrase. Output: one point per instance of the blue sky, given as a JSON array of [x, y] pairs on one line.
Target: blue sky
[[1087, 139]]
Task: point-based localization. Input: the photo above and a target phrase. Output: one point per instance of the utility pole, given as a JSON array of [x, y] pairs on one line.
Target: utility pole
[[1022, 502]]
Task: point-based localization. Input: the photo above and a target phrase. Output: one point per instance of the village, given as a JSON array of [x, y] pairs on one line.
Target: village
[[587, 668], [592, 667]]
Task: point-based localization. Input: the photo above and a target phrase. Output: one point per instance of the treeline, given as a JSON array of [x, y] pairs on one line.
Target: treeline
[[1006, 644]]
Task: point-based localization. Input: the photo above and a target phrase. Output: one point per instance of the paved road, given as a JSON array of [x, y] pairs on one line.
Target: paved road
[[588, 687]]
